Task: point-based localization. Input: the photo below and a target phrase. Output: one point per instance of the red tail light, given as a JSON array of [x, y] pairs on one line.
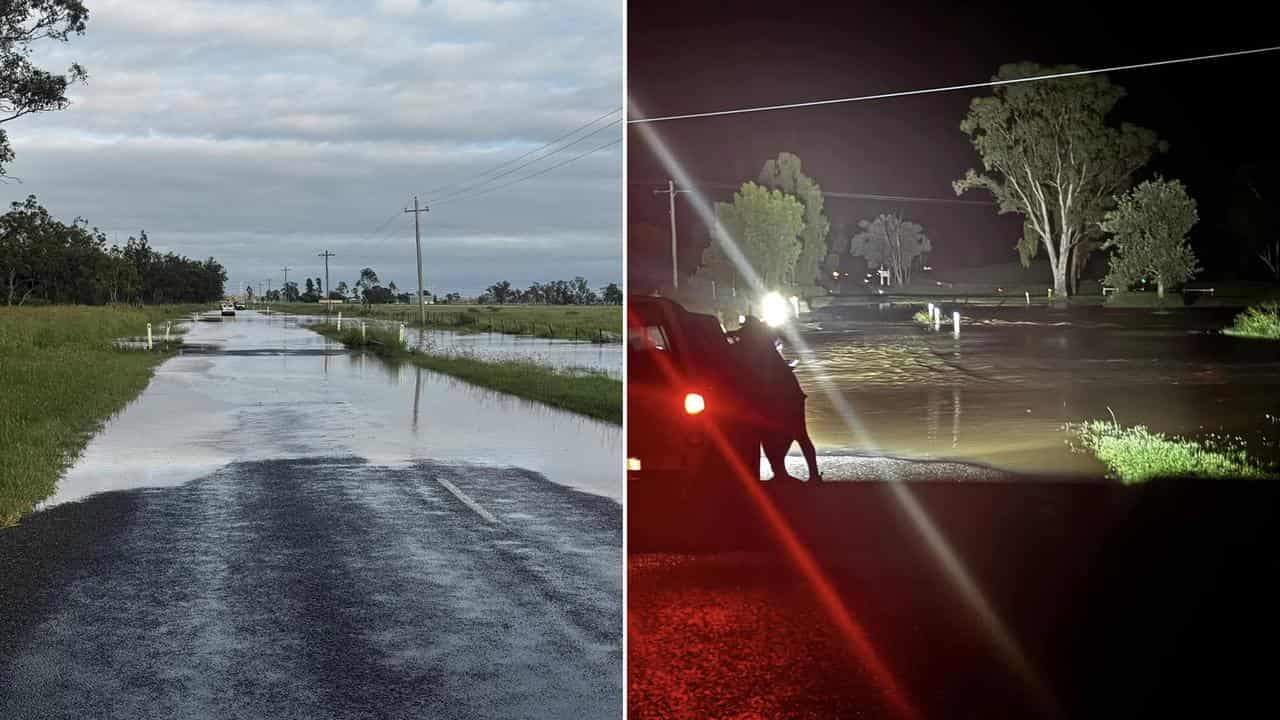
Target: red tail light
[[694, 403]]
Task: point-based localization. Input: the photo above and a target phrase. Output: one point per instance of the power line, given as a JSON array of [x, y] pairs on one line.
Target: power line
[[848, 195], [576, 130], [530, 176], [463, 190], [951, 88]]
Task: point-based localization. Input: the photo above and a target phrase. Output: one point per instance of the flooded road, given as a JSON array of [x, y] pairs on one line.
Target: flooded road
[[278, 528], [999, 394]]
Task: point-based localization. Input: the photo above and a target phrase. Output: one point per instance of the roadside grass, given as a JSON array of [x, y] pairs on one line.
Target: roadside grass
[[592, 394], [61, 377], [595, 323], [1136, 454], [1260, 321], [922, 319]]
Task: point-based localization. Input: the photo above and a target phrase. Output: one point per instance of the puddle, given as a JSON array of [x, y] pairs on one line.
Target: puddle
[[255, 387]]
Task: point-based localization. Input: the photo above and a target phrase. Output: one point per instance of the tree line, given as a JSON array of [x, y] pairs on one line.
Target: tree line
[[43, 259], [556, 292], [1050, 151], [368, 289]]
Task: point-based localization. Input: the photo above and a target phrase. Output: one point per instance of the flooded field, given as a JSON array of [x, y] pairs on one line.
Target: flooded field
[[1000, 393], [255, 387], [494, 346]]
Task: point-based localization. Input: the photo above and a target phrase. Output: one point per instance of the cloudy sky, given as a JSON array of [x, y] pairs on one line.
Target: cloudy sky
[[265, 132]]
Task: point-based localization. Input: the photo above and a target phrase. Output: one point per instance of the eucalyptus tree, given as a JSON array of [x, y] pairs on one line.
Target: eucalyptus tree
[[1148, 230], [785, 173], [1049, 153], [899, 245], [764, 226]]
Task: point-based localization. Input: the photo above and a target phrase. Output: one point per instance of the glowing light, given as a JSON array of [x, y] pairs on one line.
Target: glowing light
[[774, 309], [633, 464], [694, 404]]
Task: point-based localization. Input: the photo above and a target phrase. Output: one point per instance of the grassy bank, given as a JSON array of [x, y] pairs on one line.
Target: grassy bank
[[62, 377], [596, 323], [592, 394], [1260, 321], [1135, 454]]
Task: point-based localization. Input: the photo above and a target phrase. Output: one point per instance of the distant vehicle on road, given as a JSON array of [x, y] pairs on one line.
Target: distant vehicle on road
[[239, 306], [228, 309]]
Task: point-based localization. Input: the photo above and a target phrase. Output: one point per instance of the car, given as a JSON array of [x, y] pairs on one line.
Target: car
[[228, 309], [239, 306], [690, 438]]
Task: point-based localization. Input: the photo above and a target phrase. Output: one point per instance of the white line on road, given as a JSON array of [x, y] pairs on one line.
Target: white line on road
[[467, 501]]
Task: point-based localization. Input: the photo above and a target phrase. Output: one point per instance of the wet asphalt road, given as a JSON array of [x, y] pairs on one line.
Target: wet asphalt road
[[315, 585]]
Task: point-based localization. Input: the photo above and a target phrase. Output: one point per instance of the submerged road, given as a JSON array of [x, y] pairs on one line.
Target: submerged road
[[384, 571]]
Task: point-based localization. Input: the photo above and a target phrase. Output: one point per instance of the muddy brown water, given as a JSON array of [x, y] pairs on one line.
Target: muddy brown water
[[1000, 393]]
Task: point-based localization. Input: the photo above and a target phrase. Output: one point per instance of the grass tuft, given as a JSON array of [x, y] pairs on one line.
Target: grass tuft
[[1136, 454], [1260, 321]]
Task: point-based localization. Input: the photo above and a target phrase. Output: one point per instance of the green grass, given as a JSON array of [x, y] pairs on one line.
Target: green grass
[[592, 394], [1136, 454], [62, 377], [922, 319], [596, 323], [1260, 321]]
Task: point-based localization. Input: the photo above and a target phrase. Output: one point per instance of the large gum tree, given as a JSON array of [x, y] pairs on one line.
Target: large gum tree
[[1049, 153]]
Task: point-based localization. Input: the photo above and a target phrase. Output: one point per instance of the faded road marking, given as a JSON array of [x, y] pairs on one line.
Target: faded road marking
[[467, 501]]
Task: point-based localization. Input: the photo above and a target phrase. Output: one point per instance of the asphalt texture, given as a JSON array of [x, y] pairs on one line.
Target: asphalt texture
[[317, 589], [1104, 601], [278, 528]]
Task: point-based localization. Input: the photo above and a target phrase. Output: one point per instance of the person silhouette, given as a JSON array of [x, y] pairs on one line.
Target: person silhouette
[[779, 399]]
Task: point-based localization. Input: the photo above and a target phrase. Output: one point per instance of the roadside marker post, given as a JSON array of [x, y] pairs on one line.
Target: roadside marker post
[[401, 333], [339, 321], [1028, 294], [955, 323], [937, 319], [167, 327], [362, 338], [149, 345]]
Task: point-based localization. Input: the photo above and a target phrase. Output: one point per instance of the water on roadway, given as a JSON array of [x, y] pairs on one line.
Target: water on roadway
[[279, 528], [999, 394]]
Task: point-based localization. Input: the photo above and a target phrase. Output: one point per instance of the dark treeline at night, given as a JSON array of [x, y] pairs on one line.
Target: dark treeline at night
[[44, 260]]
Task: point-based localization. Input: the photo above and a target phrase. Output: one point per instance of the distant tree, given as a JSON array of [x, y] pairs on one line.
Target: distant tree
[[25, 88], [452, 298], [343, 290], [535, 294], [291, 293], [377, 295], [764, 226], [1049, 155], [897, 244], [392, 287], [582, 294], [500, 292], [404, 299], [1148, 230], [311, 287], [784, 174], [611, 294]]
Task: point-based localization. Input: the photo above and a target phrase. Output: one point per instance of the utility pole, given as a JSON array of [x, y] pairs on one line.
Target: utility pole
[[417, 238], [324, 292], [671, 192], [286, 283]]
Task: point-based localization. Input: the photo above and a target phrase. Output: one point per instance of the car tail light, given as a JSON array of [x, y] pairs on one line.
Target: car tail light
[[694, 403]]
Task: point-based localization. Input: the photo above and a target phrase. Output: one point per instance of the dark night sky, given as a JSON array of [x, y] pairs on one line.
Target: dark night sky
[[698, 56]]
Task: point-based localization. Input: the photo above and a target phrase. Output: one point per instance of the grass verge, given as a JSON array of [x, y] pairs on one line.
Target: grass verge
[[1136, 454], [595, 323], [595, 395], [1260, 321], [62, 377]]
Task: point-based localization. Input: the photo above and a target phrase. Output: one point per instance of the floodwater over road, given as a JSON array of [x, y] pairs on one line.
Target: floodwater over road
[[1000, 393], [280, 528], [257, 388]]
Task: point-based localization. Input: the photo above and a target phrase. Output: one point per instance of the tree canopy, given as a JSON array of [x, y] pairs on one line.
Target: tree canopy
[[1049, 154], [1148, 230], [764, 226], [24, 87], [784, 173], [899, 245]]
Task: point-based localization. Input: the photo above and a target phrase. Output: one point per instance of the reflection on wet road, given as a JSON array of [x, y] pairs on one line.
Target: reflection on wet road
[[299, 532], [1000, 393]]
